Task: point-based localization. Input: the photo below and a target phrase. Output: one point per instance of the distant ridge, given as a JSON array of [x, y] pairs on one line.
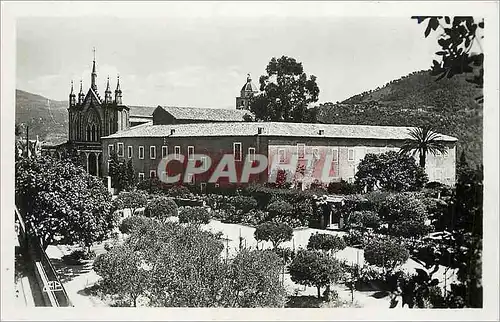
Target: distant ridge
[[46, 118], [415, 100]]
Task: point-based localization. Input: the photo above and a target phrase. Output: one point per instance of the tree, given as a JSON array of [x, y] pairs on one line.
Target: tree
[[122, 173], [276, 233], [161, 207], [405, 214], [130, 175], [58, 198], [195, 215], [280, 210], [124, 272], [286, 92], [385, 253], [131, 200], [423, 141], [253, 280], [326, 242], [187, 269], [311, 268], [456, 42], [390, 171]]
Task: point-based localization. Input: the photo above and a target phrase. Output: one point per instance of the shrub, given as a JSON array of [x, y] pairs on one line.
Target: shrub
[[254, 217], [243, 203], [161, 207], [363, 220], [195, 215], [326, 242], [130, 223], [273, 232], [178, 191], [151, 186], [286, 254], [386, 253], [131, 200], [280, 209], [353, 238]]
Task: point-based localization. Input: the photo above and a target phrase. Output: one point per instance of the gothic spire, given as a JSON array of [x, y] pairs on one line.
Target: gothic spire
[[107, 87], [93, 84], [72, 96], [81, 95], [118, 92], [118, 84]]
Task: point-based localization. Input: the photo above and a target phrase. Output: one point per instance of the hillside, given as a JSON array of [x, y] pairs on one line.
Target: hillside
[[415, 100], [46, 118]]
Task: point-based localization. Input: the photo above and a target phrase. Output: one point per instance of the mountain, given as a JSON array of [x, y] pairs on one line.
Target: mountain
[[415, 100], [45, 117]]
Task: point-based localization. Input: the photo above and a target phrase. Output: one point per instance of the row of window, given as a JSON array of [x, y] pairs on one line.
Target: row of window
[[315, 153], [237, 151]]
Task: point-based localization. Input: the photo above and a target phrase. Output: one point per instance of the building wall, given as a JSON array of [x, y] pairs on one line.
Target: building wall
[[350, 153], [440, 168], [215, 148]]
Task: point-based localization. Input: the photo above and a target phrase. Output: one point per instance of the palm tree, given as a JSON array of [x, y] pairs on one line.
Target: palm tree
[[423, 140]]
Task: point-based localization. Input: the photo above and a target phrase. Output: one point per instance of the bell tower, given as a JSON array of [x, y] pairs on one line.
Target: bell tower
[[247, 92]]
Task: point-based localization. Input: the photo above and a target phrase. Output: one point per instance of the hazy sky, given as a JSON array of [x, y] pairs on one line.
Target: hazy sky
[[202, 61]]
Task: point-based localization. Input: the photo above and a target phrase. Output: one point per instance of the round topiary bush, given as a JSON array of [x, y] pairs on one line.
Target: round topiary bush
[[326, 242], [194, 215], [386, 253], [161, 207]]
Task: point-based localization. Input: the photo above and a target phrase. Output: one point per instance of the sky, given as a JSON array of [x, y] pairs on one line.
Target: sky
[[202, 60]]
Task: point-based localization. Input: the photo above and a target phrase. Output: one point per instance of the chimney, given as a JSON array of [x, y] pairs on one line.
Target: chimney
[[321, 132], [260, 130], [172, 131]]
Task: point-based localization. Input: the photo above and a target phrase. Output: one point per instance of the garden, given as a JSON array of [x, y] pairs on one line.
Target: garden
[[170, 255]]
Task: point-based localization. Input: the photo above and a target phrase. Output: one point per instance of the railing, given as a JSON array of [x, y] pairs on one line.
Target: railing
[[52, 290]]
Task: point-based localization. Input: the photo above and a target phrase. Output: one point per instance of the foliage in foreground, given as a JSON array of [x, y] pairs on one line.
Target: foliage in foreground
[[59, 198], [182, 266]]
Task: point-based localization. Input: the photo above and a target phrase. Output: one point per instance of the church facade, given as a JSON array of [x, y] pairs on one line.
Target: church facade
[[91, 117]]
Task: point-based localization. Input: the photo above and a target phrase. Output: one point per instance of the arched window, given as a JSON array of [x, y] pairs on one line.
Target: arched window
[[94, 133], [89, 138]]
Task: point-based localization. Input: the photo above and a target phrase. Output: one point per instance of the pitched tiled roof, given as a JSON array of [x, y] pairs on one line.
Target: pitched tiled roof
[[271, 129], [139, 118], [206, 114], [141, 110]]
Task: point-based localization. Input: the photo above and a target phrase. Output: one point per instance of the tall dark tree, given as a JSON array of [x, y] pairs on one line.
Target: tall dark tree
[[286, 92], [122, 173], [459, 34], [423, 140]]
